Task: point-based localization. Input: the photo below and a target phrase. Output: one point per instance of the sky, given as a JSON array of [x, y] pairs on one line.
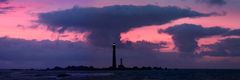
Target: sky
[[166, 33]]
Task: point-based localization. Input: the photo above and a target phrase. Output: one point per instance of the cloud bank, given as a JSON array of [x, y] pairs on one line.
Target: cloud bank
[[226, 47], [213, 2], [106, 23], [186, 36], [20, 53]]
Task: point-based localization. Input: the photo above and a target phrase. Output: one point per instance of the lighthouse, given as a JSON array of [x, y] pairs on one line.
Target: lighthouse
[[114, 64]]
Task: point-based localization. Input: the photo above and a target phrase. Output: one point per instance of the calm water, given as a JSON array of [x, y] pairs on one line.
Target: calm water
[[122, 75]]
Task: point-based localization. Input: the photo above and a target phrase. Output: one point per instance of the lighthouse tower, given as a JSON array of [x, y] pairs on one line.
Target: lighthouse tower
[[114, 64]]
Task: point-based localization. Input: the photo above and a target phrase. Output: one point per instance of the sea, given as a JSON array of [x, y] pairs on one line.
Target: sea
[[174, 74]]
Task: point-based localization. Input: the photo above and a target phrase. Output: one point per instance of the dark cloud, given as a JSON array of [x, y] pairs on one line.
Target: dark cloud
[[4, 1], [41, 54], [226, 47], [213, 2], [185, 36], [20, 53], [106, 23], [235, 32], [6, 9]]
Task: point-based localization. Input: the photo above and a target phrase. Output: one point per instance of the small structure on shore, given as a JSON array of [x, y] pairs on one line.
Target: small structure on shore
[[121, 66]]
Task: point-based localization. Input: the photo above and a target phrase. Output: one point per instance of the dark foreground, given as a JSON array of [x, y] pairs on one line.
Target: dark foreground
[[121, 75]]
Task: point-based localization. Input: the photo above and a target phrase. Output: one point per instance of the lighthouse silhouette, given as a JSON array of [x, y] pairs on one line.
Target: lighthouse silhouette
[[114, 64]]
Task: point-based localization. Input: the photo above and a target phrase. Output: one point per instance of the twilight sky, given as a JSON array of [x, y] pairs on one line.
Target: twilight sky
[[167, 33]]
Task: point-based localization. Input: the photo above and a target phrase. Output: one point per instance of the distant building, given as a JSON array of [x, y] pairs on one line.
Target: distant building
[[121, 66]]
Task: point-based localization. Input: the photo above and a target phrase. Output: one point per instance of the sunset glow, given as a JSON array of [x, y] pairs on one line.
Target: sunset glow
[[173, 28]]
